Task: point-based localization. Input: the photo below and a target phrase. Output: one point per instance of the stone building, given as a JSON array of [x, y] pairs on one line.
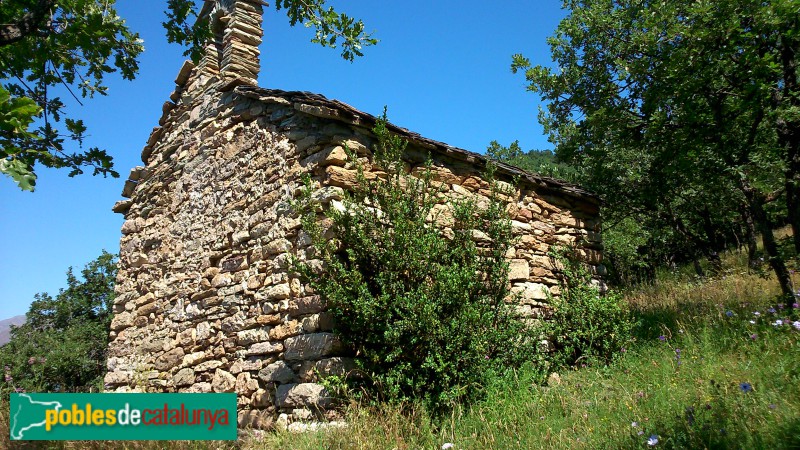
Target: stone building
[[205, 301]]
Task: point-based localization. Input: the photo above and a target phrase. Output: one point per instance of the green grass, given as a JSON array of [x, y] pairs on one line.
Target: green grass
[[696, 402]]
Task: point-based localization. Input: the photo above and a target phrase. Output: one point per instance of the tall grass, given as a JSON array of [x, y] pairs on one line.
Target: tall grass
[[699, 376]]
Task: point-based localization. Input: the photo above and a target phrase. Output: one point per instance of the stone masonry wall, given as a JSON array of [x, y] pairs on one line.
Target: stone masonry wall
[[205, 298], [206, 302]]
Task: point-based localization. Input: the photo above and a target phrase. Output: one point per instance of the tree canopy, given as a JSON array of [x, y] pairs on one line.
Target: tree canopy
[[72, 45], [685, 113], [62, 345]]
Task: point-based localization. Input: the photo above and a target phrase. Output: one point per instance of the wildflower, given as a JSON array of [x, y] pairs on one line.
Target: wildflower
[[778, 323], [729, 313], [756, 313], [781, 306], [31, 360], [771, 311], [662, 338], [447, 445], [754, 336], [795, 305], [772, 406], [634, 424], [623, 350], [8, 378], [640, 432], [752, 322], [745, 387], [653, 440], [796, 325]]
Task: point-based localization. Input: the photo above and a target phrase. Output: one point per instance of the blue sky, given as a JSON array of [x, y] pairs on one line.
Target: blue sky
[[441, 67]]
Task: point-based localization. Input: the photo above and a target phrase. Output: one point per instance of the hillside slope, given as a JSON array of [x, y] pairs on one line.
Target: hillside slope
[[5, 327]]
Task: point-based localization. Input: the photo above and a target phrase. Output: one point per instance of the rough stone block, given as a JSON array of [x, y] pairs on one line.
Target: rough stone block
[[311, 346], [223, 381], [265, 348], [169, 359], [184, 377], [277, 372], [304, 395], [518, 270]]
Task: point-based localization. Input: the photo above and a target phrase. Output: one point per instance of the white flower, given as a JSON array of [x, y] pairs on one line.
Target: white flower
[[447, 445], [753, 322], [652, 441], [796, 324], [778, 323]]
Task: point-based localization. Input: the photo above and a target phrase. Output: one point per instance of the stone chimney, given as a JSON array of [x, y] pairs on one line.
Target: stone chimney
[[232, 52]]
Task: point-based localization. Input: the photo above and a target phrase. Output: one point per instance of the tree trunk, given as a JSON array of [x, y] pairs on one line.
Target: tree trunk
[[763, 225], [713, 242], [751, 236], [793, 197], [789, 129], [698, 269]]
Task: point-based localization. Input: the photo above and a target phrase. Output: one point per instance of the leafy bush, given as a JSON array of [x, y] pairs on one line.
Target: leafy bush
[[62, 345], [423, 308], [586, 326]]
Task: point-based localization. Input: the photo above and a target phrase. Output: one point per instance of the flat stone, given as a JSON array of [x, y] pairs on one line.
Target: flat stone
[[311, 346], [265, 348], [277, 372], [248, 337], [278, 292], [281, 332], [304, 395], [531, 291], [306, 305]]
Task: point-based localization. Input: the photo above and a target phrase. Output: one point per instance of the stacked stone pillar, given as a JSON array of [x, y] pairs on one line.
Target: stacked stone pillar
[[232, 52]]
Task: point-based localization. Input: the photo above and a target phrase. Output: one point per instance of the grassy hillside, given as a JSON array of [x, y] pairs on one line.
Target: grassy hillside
[[700, 375], [716, 364]]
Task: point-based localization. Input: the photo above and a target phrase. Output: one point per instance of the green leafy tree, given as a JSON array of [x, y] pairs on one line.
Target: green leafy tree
[[540, 162], [424, 309], [683, 111], [49, 46], [62, 345]]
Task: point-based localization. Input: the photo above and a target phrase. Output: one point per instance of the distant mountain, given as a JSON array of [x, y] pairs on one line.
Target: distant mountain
[[5, 327]]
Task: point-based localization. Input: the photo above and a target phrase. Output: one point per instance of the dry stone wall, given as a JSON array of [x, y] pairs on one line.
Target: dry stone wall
[[206, 301]]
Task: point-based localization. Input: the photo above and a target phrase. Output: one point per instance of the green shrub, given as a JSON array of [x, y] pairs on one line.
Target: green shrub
[[423, 309], [586, 325], [62, 345]]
